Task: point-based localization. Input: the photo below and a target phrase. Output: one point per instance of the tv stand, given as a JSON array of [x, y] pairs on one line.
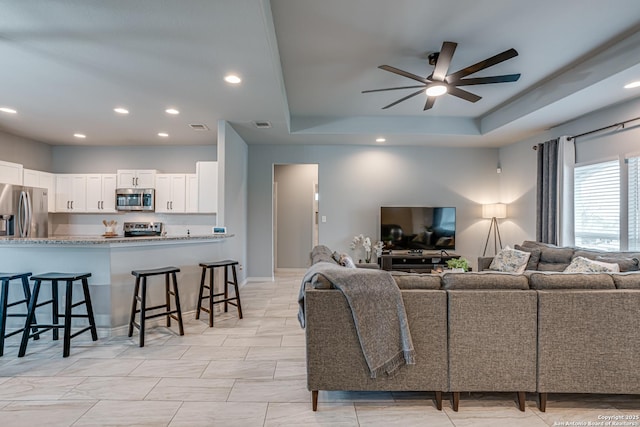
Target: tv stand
[[417, 261]]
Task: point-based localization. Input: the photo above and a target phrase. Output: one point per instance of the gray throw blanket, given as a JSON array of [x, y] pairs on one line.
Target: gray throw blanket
[[378, 313]]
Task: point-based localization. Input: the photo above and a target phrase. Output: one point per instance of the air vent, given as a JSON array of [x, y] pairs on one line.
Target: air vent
[[262, 124], [197, 126]]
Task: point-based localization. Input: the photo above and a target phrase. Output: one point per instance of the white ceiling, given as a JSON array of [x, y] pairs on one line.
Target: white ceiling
[[67, 63]]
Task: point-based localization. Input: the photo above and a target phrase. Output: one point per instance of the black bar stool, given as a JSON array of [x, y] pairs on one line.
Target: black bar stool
[[6, 279], [55, 278], [211, 266], [175, 314]]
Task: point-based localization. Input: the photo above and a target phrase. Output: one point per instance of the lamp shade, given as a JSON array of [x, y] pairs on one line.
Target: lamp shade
[[495, 210]]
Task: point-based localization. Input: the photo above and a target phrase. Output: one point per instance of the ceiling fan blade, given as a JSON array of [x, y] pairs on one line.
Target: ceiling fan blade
[[507, 54], [444, 60], [430, 101], [467, 96], [486, 80], [404, 99], [392, 88], [403, 73]]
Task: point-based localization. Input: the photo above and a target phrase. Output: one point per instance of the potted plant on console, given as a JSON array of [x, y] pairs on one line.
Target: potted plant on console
[[458, 265]]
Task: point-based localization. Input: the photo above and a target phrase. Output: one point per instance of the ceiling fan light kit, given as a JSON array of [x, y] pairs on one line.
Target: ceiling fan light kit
[[440, 82]]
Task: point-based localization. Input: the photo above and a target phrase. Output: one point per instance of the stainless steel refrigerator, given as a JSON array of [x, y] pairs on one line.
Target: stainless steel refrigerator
[[23, 211]]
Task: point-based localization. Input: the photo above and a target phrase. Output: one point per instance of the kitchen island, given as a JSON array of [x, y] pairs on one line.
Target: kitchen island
[[110, 262]]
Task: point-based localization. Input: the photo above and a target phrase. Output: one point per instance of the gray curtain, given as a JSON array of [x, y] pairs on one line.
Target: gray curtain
[[547, 193]]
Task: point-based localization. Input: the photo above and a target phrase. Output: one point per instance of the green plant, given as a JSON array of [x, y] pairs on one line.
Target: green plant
[[458, 263]]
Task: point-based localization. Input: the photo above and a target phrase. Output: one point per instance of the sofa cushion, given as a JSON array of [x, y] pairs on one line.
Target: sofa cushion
[[552, 258], [584, 265], [510, 261], [627, 261], [534, 258], [628, 280], [416, 280], [484, 280], [559, 280]]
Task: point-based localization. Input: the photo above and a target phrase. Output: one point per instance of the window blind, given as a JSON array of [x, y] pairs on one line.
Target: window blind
[[597, 205], [633, 167]]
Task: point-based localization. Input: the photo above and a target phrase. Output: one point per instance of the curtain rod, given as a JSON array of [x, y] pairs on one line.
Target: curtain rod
[[615, 125]]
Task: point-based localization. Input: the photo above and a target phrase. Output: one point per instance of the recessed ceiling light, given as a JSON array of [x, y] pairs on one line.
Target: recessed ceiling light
[[80, 135], [121, 110], [163, 134], [232, 78], [436, 89], [632, 85], [172, 111], [380, 140], [8, 110]]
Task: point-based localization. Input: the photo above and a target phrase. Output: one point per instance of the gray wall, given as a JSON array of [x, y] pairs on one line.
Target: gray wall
[[233, 189], [354, 181], [519, 161], [31, 154], [166, 159], [294, 214]]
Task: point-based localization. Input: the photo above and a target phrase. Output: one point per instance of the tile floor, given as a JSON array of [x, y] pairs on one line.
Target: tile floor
[[248, 372]]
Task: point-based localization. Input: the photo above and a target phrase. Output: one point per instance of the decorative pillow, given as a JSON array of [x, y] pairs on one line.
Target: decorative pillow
[[510, 261], [584, 265], [346, 261], [534, 258]]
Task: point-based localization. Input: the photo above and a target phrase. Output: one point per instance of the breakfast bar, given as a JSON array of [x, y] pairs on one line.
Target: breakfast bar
[[110, 261]]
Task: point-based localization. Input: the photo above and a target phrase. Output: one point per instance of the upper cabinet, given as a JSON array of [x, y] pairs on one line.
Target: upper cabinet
[[137, 178], [10, 173], [207, 186], [34, 178], [192, 193], [71, 193], [171, 192], [101, 193]]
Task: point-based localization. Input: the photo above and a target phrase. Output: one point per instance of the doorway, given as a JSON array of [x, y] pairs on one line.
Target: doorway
[[295, 214]]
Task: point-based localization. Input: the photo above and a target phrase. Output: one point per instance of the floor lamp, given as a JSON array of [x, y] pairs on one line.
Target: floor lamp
[[493, 212]]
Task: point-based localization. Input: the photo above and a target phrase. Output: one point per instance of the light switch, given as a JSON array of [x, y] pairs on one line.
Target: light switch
[[324, 218]]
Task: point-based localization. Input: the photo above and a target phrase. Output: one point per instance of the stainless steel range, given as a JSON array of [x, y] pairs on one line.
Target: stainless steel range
[[138, 229]]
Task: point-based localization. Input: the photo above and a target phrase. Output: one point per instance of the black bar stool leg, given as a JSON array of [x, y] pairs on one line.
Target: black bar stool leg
[[177, 297], [134, 306], [55, 316], [202, 279], [212, 284], [30, 318], [226, 288], [89, 306], [3, 309], [143, 308], [27, 295], [235, 281], [167, 297], [67, 318]]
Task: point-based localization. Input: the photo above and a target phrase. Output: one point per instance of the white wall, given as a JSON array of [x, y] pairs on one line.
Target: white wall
[[354, 181], [294, 213]]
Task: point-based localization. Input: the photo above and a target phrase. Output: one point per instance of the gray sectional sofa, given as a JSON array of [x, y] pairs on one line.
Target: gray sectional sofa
[[542, 331]]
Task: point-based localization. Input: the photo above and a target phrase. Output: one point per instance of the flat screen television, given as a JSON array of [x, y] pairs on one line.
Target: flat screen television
[[413, 228]]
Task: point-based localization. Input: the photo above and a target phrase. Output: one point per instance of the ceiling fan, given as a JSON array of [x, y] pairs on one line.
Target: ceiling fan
[[439, 82]]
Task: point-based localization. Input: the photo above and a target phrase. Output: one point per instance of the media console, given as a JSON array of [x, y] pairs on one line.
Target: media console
[[417, 262]]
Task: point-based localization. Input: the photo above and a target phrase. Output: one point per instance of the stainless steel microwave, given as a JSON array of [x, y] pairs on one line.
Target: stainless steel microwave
[[135, 199]]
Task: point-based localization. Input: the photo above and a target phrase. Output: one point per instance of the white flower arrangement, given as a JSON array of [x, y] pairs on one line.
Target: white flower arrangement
[[365, 242]]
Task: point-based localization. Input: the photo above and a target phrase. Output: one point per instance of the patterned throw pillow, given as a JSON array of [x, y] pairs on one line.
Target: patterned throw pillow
[[510, 261], [346, 261], [584, 265]]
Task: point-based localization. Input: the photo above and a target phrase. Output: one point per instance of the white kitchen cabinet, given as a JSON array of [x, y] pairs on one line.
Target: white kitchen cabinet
[[101, 193], [10, 173], [35, 178], [171, 192], [207, 186], [136, 178], [71, 193], [192, 193]]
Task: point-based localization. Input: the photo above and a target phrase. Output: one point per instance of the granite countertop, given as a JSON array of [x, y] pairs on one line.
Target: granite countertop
[[101, 240]]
